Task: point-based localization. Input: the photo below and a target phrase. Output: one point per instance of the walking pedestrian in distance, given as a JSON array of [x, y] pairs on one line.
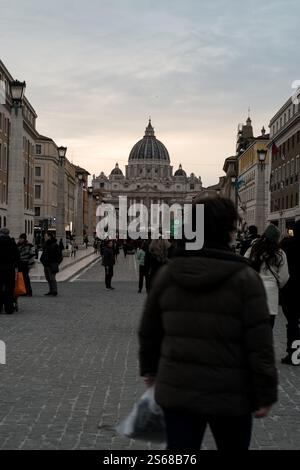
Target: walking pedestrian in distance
[[158, 251], [27, 260], [9, 260], [51, 259], [73, 248], [270, 262], [290, 293], [108, 261], [206, 339], [61, 245], [125, 248], [143, 266], [249, 240]]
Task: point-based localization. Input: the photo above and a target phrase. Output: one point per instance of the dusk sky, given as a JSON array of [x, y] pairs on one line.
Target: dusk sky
[[96, 70]]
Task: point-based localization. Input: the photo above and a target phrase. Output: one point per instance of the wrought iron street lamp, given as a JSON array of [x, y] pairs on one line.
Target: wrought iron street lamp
[[62, 151], [262, 154], [17, 90]]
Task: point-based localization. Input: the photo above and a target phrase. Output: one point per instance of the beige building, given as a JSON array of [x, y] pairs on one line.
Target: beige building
[[29, 137], [253, 182], [46, 187], [284, 153]]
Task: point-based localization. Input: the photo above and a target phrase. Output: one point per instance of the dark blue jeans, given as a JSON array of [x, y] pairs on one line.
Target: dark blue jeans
[[186, 431]]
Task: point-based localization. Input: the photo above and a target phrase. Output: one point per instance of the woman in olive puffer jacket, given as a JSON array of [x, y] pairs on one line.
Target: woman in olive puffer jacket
[[206, 341]]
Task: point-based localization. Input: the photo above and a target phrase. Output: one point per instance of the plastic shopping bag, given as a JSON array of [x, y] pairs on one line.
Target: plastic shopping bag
[[146, 420]]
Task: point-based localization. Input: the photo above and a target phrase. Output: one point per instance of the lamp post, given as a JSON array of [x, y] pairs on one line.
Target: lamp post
[[90, 213], [16, 174], [79, 209], [261, 190], [60, 219]]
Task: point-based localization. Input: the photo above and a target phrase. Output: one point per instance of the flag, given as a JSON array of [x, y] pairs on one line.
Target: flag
[[238, 182]]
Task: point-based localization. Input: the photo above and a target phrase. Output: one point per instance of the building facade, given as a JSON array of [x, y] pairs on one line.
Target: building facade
[[46, 188], [253, 182], [148, 177], [284, 153], [29, 136]]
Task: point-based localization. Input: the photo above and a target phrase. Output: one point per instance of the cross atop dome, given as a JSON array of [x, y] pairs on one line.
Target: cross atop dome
[[149, 130]]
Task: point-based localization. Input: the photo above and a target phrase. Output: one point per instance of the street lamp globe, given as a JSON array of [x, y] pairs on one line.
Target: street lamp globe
[[17, 89], [262, 155], [62, 154]]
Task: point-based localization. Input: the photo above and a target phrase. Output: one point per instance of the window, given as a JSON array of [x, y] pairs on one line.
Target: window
[[192, 186], [101, 185], [38, 149], [37, 211], [37, 192], [38, 171]]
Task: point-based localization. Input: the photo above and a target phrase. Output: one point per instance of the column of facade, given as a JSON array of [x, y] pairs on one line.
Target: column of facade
[[15, 195], [60, 216], [79, 212]]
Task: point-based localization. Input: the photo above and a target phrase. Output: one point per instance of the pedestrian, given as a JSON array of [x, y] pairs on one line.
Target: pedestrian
[[206, 339], [116, 250], [86, 242], [270, 262], [73, 248], [51, 259], [252, 235], [290, 293], [143, 269], [9, 260], [158, 250], [27, 260], [61, 245], [125, 248], [108, 261]]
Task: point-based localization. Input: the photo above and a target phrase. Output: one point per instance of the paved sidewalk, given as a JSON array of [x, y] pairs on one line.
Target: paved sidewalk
[[72, 369], [69, 266]]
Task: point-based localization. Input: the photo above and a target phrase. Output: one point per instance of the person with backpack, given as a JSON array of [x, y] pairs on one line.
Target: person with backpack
[[51, 259], [270, 262], [27, 260]]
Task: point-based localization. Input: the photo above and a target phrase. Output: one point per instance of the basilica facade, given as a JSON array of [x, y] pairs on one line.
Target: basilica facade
[[148, 177]]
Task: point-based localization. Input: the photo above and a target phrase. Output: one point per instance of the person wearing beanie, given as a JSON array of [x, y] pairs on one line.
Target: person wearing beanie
[[270, 262], [27, 256], [290, 293], [9, 259]]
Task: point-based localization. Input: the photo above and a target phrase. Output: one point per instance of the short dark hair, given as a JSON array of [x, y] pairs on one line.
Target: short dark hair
[[220, 219], [50, 234], [252, 229], [23, 236]]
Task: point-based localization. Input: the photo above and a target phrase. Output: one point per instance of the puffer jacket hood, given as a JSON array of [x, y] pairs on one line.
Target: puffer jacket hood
[[205, 270]]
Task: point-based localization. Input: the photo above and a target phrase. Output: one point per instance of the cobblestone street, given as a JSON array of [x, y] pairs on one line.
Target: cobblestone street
[[72, 369]]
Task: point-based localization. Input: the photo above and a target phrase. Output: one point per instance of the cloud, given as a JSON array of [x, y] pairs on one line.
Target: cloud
[[96, 71]]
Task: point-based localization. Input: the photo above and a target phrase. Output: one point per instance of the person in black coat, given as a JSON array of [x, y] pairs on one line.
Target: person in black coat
[[51, 259], [290, 292], [206, 341], [108, 261], [9, 260], [250, 239]]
